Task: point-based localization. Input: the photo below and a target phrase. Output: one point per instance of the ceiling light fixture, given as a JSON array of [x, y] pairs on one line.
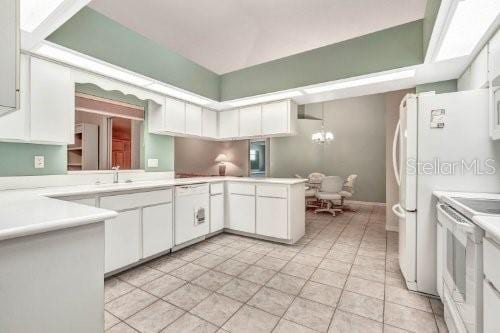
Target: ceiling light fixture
[[177, 93], [469, 22], [362, 82], [34, 12], [322, 136], [85, 62], [264, 98]]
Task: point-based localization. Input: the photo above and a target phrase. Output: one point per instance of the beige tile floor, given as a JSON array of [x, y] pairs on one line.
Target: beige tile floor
[[342, 276]]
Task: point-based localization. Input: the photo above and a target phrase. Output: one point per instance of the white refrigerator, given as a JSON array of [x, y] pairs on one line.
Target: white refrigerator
[[444, 144]]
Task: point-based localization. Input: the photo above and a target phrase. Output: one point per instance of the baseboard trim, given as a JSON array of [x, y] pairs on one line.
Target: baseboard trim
[[365, 203], [394, 228]]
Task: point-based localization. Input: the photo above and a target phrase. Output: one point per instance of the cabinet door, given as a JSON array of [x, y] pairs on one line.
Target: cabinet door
[[229, 124], [250, 121], [275, 118], [193, 119], [216, 212], [272, 217], [242, 213], [209, 124], [9, 52], [13, 126], [52, 111], [122, 240], [175, 115], [157, 225]]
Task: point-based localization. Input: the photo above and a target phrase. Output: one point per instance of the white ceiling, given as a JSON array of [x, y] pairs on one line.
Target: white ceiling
[[227, 35]]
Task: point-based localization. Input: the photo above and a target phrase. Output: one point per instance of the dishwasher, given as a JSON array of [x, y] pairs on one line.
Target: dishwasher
[[191, 212]]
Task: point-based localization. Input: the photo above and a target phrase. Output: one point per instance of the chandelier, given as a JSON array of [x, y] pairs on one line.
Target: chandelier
[[322, 136]]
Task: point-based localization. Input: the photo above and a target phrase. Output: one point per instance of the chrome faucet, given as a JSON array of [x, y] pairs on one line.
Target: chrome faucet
[[115, 173]]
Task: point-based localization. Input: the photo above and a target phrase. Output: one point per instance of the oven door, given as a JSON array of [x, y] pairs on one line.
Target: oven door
[[462, 268]]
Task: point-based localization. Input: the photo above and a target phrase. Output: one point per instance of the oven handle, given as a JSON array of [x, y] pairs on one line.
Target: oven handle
[[465, 227]]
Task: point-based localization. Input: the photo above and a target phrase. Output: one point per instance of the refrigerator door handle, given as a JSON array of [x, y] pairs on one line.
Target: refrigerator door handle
[[398, 211], [394, 153]]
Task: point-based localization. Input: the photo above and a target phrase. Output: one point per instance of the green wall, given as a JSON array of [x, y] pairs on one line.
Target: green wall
[[440, 87], [16, 159], [430, 15], [359, 146], [96, 35], [383, 50]]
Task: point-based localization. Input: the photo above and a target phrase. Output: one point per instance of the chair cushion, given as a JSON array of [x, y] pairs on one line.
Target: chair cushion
[[328, 196], [345, 194], [310, 192]]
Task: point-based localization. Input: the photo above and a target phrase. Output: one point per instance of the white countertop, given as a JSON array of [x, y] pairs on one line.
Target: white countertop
[[490, 223], [32, 211]]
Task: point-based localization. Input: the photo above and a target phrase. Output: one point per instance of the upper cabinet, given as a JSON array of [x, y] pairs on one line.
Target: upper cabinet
[[279, 118], [175, 115], [9, 56], [52, 92], [193, 119], [251, 121], [209, 123], [229, 124], [494, 59], [47, 105], [476, 75]]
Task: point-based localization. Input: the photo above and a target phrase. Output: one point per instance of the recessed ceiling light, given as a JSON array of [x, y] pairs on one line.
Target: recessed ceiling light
[[82, 61], [34, 12], [177, 93], [470, 21], [362, 82], [264, 98]]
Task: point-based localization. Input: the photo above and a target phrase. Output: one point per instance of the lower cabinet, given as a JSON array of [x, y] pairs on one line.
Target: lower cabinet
[[216, 212], [272, 217], [241, 212], [122, 240], [157, 233]]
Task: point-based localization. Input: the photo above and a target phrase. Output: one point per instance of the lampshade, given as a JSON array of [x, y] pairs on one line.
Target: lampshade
[[221, 158]]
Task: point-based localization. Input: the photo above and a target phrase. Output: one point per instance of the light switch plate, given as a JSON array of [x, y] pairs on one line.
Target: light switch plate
[[39, 162], [152, 162]]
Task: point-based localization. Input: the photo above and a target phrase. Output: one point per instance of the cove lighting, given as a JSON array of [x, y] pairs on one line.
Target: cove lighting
[[471, 19], [85, 62], [362, 82], [164, 89], [34, 12], [264, 98]]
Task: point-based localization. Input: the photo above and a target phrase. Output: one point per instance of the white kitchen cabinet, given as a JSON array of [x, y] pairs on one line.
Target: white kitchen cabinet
[[157, 233], [9, 56], [251, 121], [209, 124], [272, 217], [122, 240], [216, 212], [193, 119], [14, 125], [52, 103], [229, 124], [241, 212], [175, 116], [476, 75], [275, 118]]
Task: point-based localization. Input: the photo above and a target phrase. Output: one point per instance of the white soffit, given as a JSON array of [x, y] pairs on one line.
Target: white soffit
[[227, 35]]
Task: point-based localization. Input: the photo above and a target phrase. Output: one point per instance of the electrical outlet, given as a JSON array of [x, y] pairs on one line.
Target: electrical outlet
[[152, 162], [39, 162]]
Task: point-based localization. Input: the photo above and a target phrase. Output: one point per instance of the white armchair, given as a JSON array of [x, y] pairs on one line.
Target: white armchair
[[329, 192]]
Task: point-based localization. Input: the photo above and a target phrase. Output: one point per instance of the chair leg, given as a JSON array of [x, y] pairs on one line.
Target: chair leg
[[329, 208]]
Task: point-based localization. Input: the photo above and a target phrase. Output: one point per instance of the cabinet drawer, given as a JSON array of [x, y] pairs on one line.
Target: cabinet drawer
[[272, 191], [134, 200], [240, 188], [217, 188], [491, 255]]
